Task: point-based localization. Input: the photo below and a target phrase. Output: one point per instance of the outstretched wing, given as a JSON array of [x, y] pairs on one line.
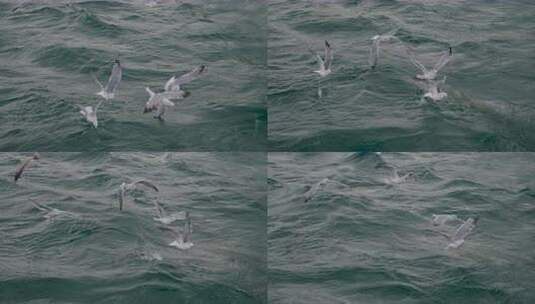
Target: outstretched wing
[[444, 59], [328, 55], [121, 199], [147, 184], [320, 62], [115, 77], [415, 62], [374, 53], [174, 83], [26, 164]]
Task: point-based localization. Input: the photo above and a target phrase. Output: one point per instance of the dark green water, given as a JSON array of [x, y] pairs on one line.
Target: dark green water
[[489, 80], [98, 254], [49, 51], [364, 237]]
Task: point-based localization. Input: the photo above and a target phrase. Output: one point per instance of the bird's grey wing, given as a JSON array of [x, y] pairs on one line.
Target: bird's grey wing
[[328, 55], [444, 59], [415, 62], [188, 77], [148, 184], [159, 209], [121, 199], [187, 228], [115, 78], [374, 53], [26, 164], [98, 105]]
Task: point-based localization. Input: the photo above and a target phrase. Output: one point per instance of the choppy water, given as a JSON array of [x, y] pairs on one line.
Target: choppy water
[[50, 50], [365, 237], [489, 81], [98, 254]]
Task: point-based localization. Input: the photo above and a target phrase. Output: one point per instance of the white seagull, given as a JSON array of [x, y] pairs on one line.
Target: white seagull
[[108, 92], [25, 165], [90, 115], [125, 187], [325, 63], [434, 92], [183, 240], [172, 90], [462, 232], [432, 73]]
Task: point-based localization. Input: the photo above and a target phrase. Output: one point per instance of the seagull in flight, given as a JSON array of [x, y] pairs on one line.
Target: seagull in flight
[[431, 73], [25, 165], [325, 63], [108, 92], [172, 90], [126, 187], [90, 115]]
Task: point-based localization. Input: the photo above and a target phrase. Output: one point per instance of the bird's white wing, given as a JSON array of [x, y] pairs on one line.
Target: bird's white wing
[[444, 59], [169, 85], [188, 77], [415, 62]]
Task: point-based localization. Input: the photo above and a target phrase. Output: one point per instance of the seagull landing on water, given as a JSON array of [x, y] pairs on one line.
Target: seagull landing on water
[[25, 165], [108, 92], [434, 92], [183, 240], [90, 115], [432, 73], [126, 187], [172, 90], [325, 63]]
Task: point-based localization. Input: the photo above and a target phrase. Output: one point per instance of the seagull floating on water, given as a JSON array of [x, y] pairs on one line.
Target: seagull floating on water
[[25, 165], [172, 90], [108, 92], [462, 232], [183, 240], [434, 92], [432, 73], [125, 187], [90, 115], [325, 63]]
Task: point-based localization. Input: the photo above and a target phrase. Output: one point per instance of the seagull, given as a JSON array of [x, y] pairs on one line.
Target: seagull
[[315, 188], [125, 187], [432, 73], [25, 165], [325, 62], [158, 101], [167, 219], [462, 232], [434, 92], [374, 49], [90, 115], [183, 240], [108, 92]]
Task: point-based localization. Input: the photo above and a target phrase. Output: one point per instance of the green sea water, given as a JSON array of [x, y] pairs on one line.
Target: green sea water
[[87, 251], [489, 79], [50, 51], [366, 235]]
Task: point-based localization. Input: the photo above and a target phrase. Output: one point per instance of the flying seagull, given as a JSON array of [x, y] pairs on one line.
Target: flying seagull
[[432, 73], [172, 90], [90, 115], [25, 165], [125, 187], [183, 240], [325, 63], [108, 92]]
